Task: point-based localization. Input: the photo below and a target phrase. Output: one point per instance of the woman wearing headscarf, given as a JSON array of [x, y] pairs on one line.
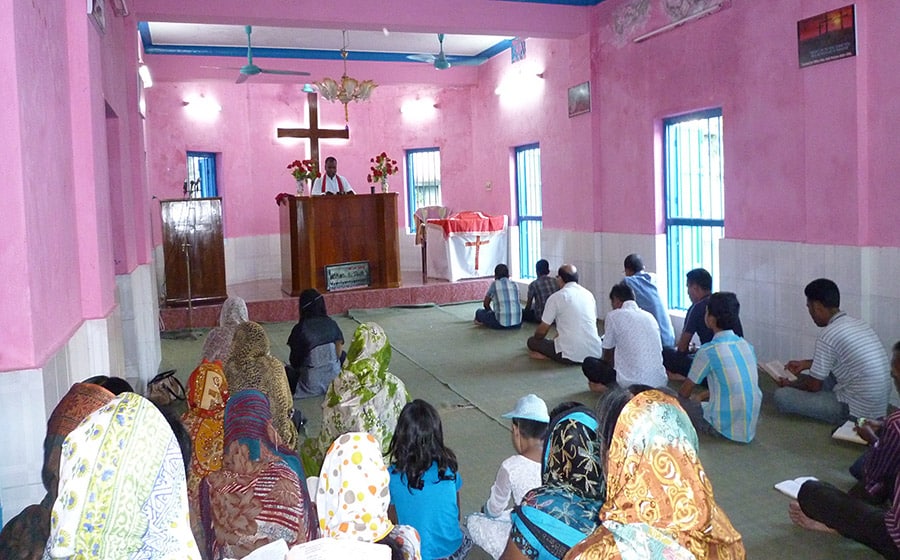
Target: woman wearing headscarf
[[564, 509], [204, 420], [122, 489], [317, 344], [218, 341], [657, 490], [365, 397], [25, 536], [251, 366], [259, 495], [353, 497]]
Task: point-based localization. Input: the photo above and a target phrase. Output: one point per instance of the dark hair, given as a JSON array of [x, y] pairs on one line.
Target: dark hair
[[824, 291], [542, 267], [312, 304], [501, 271], [621, 292], [566, 275], [700, 277], [182, 436], [115, 385], [634, 262], [609, 407], [563, 407], [418, 442], [726, 308], [896, 347], [396, 548], [531, 429], [330, 158]]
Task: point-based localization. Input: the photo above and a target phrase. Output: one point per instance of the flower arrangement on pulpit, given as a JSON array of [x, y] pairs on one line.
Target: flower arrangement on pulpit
[[303, 171], [382, 168]]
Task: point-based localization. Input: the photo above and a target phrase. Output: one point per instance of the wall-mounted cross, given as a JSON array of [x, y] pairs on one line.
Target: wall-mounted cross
[[314, 133]]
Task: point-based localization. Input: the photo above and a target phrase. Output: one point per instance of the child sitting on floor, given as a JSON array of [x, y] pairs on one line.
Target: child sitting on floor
[[518, 474]]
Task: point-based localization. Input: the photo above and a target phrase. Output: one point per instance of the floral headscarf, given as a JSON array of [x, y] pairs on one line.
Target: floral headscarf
[[655, 478], [218, 341], [561, 512], [122, 490], [364, 397], [251, 366]]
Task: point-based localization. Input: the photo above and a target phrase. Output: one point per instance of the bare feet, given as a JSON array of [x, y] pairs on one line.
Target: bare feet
[[800, 519], [537, 355], [597, 387]]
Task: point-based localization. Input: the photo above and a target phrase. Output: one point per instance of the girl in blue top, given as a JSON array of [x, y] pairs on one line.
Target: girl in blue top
[[425, 483]]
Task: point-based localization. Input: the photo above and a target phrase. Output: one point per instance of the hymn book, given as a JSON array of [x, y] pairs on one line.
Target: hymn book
[[791, 488], [776, 371], [846, 432]]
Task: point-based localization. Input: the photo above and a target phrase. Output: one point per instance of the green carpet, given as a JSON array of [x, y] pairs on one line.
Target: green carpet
[[472, 375]]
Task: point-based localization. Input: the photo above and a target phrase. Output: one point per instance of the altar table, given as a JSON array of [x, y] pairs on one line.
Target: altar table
[[466, 245]]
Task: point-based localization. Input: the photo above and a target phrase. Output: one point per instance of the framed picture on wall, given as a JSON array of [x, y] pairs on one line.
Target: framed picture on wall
[[96, 10], [827, 36], [580, 99]]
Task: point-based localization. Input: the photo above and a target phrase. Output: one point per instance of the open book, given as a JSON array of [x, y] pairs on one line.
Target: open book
[[791, 488], [846, 433], [329, 548], [776, 370]]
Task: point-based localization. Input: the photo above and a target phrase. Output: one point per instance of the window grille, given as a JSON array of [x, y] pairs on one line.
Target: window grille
[[528, 206]]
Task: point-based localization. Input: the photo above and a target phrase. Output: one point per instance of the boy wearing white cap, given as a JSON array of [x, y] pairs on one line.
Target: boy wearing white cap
[[517, 475]]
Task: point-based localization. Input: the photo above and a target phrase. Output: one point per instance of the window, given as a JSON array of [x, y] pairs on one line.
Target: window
[[694, 186], [423, 178], [528, 206], [201, 181]]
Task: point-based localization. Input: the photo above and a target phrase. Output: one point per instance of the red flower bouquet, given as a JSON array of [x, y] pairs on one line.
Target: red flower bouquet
[[382, 168]]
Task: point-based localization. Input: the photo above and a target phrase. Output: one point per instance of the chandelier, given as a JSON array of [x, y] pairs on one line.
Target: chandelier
[[347, 89]]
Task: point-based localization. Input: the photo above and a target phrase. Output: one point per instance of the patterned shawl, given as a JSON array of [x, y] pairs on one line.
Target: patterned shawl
[[25, 536], [364, 397], [655, 478], [563, 511], [218, 341], [258, 496], [122, 491], [251, 366], [204, 420]]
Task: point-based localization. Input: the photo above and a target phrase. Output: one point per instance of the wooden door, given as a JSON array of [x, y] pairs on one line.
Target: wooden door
[[193, 250]]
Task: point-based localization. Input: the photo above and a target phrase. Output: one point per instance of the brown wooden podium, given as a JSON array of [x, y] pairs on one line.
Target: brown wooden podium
[[319, 231], [193, 241]]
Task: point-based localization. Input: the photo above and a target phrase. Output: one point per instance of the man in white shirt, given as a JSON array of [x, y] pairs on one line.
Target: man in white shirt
[[574, 310], [331, 182], [632, 350]]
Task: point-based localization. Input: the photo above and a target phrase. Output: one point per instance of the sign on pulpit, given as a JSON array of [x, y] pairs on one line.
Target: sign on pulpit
[[466, 245]]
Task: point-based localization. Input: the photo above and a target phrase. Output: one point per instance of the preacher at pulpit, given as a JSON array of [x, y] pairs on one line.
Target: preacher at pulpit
[[331, 182]]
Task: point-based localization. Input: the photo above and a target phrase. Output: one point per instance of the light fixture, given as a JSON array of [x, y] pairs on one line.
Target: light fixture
[[348, 89], [702, 13], [144, 73], [418, 109], [201, 107], [308, 88]]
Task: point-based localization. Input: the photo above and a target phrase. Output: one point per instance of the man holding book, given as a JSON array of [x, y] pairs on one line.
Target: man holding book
[[849, 375]]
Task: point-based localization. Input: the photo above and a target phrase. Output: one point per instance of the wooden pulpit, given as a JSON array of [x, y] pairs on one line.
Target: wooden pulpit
[[193, 250], [318, 231]]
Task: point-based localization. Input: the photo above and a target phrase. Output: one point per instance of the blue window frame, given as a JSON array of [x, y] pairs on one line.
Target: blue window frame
[[695, 207], [201, 181], [528, 207], [423, 180]]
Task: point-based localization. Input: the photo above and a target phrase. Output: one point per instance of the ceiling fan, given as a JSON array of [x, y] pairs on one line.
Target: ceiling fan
[[251, 69], [442, 61]]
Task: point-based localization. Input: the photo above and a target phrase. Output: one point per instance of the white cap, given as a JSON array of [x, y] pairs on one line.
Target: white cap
[[530, 407]]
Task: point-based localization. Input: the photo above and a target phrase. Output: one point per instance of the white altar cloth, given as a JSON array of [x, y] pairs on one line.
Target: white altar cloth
[[466, 245]]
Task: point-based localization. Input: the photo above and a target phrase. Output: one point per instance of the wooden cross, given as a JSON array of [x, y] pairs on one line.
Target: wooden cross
[[314, 133], [477, 244]]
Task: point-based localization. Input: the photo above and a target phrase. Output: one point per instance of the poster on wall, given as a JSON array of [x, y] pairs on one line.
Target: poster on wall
[[580, 99], [827, 36]]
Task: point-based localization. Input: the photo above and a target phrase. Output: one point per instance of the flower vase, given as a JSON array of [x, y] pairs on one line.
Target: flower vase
[[301, 187], [384, 186]]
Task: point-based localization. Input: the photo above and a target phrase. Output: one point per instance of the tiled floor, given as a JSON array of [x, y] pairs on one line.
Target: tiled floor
[[266, 302]]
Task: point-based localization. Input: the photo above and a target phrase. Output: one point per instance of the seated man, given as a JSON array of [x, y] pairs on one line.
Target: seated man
[[632, 352], [574, 310], [729, 362], [678, 359], [849, 375], [647, 297], [822, 507], [538, 292], [503, 295]]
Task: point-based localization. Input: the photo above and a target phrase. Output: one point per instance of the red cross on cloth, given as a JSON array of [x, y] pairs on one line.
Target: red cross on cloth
[[477, 244]]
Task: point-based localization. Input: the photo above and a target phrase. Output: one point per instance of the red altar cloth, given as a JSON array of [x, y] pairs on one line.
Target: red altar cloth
[[470, 222]]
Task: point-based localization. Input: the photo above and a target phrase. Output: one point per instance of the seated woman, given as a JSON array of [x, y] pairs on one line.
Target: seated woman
[[25, 536], [352, 498], [126, 454], [555, 516], [259, 495], [252, 366], [218, 342], [659, 500], [204, 421], [364, 397], [317, 345]]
